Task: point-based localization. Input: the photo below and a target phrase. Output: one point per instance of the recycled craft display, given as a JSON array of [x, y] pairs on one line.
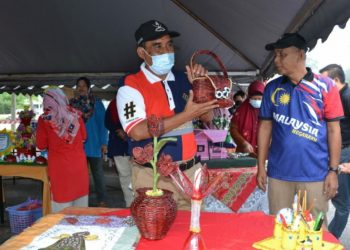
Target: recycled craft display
[[25, 137], [207, 88], [296, 229], [153, 215], [196, 191], [154, 210]]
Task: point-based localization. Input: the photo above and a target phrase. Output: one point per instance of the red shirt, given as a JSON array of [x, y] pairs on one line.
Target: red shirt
[[144, 94], [67, 166]]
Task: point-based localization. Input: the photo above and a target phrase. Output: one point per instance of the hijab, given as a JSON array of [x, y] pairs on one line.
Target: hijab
[[246, 116], [63, 119]]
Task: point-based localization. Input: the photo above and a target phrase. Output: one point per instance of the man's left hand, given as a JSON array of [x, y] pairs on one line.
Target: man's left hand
[[197, 71], [331, 185]]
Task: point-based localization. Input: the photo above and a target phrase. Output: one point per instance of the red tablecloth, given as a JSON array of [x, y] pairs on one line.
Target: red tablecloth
[[220, 231], [236, 186]]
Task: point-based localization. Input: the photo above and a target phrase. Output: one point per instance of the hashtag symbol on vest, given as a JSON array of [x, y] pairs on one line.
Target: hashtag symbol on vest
[[129, 110]]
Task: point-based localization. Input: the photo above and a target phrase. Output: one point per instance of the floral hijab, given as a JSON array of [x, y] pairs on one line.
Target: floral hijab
[[85, 104], [63, 119]]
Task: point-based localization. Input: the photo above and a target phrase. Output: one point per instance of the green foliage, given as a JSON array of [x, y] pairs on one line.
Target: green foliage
[[6, 102]]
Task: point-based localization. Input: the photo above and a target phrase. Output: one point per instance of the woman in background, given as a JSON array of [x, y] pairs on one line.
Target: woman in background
[[62, 132], [244, 122], [93, 114]]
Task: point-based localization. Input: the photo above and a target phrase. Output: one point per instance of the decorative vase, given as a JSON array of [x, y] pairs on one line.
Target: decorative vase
[[194, 240], [153, 215], [197, 190]]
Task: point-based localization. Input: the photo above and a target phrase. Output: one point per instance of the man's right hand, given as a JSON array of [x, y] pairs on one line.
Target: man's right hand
[[261, 179], [194, 110]]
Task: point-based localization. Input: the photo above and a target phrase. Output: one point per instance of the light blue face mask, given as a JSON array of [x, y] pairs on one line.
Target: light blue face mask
[[162, 64], [255, 103]]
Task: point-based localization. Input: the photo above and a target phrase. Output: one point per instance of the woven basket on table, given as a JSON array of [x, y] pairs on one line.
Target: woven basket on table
[[153, 215], [207, 88]]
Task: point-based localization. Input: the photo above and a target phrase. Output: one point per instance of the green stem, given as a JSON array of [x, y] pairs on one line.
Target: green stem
[[154, 165]]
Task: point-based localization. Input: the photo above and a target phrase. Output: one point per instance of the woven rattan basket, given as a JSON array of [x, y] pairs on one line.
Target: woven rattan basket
[[207, 88], [153, 215]]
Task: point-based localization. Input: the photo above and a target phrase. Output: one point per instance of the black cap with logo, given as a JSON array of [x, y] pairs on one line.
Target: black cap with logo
[[152, 30], [288, 40]]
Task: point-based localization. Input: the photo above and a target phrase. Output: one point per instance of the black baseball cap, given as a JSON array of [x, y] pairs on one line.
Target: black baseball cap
[[152, 30], [288, 40]]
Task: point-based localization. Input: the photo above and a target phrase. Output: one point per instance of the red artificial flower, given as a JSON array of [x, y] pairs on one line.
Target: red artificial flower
[[143, 155], [166, 166], [155, 125]]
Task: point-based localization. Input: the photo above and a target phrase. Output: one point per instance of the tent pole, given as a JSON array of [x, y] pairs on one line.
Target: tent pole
[[13, 110], [30, 101]]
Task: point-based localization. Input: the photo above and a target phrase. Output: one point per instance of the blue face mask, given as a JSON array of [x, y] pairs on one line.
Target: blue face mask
[[162, 64], [255, 103]]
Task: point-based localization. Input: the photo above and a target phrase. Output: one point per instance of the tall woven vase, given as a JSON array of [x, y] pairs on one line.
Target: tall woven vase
[[153, 215]]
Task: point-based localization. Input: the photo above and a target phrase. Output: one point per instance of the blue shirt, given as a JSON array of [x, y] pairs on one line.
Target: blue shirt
[[96, 132], [299, 114]]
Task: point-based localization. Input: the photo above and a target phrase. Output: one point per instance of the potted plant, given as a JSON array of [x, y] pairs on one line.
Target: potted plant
[[154, 209]]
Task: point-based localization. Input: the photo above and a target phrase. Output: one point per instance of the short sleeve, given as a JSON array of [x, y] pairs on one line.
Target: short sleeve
[[266, 111], [333, 108], [131, 107]]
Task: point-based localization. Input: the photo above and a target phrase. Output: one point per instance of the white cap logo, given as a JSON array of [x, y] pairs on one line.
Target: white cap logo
[[158, 27]]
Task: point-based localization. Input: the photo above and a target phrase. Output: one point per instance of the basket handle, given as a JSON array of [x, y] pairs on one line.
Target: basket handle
[[212, 54]]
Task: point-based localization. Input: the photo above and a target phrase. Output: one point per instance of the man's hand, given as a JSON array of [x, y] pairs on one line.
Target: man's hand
[[194, 110], [331, 185], [261, 179], [197, 71], [344, 168]]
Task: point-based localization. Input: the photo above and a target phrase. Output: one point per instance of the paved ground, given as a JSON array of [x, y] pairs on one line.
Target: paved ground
[[24, 188]]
